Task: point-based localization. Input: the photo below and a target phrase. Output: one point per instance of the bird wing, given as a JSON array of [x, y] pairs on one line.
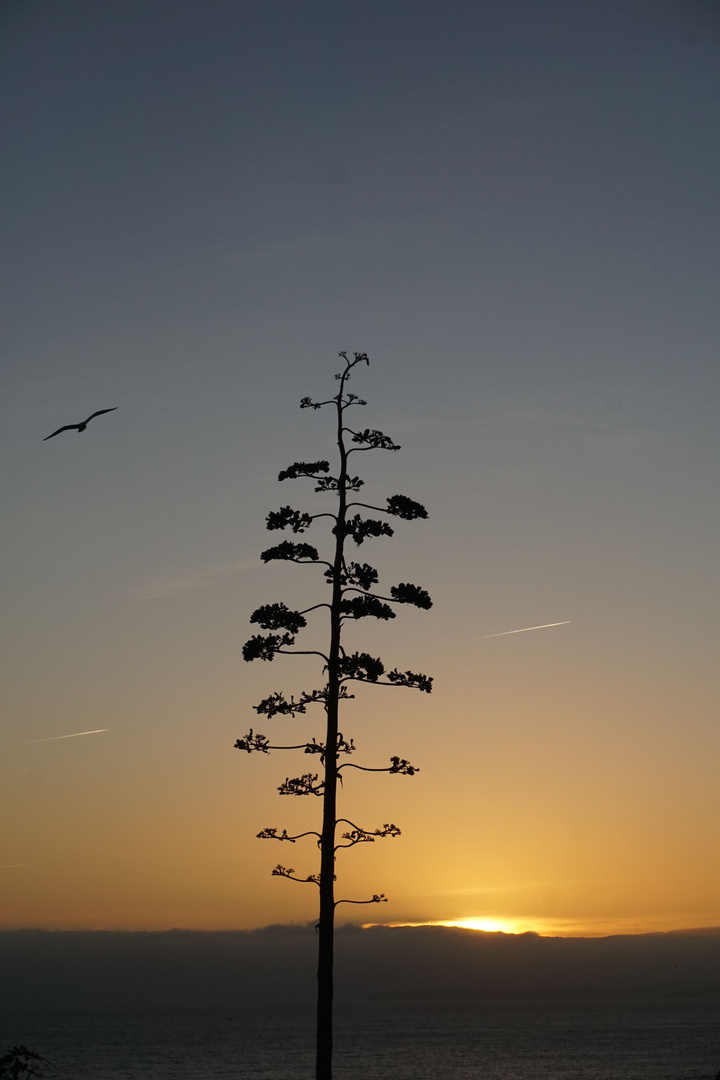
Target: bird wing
[[68, 427], [98, 413]]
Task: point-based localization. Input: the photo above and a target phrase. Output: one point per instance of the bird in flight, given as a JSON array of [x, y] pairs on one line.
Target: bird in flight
[[78, 427]]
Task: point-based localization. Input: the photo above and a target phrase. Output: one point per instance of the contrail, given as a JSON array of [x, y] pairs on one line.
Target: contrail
[[14, 865], [74, 735], [525, 629]]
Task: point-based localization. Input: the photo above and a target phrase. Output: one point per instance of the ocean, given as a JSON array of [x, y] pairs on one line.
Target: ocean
[[626, 1039]]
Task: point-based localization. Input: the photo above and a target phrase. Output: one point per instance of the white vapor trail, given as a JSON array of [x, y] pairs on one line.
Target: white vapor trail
[[525, 629], [74, 735]]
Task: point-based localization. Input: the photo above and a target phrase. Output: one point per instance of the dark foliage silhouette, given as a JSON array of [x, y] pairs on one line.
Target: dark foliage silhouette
[[353, 598], [81, 426], [19, 1063]]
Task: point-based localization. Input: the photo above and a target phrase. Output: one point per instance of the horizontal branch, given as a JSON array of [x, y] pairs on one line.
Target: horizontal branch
[[289, 872], [255, 741], [278, 704], [374, 439], [302, 652], [358, 835], [398, 506], [377, 898], [332, 483], [289, 551], [272, 834], [304, 468], [266, 647], [382, 682], [413, 679], [397, 765], [361, 667], [404, 593]]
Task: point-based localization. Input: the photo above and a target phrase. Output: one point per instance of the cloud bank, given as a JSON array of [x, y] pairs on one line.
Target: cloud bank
[[276, 965]]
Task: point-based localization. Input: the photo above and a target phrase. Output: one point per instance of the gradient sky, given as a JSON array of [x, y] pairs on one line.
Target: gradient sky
[[513, 208]]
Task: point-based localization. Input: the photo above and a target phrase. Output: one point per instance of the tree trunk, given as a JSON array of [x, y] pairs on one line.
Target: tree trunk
[[326, 931], [326, 924]]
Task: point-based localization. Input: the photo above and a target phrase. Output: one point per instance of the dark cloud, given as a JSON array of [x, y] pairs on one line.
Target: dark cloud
[[186, 969]]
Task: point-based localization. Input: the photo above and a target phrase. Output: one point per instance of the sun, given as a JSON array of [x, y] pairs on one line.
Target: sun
[[490, 926]]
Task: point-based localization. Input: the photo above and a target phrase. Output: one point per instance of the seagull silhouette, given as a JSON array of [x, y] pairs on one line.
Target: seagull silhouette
[[78, 427]]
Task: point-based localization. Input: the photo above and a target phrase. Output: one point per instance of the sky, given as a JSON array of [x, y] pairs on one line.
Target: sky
[[512, 208]]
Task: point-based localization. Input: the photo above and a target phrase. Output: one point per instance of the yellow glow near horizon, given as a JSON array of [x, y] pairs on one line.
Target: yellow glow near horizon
[[566, 928], [489, 926]]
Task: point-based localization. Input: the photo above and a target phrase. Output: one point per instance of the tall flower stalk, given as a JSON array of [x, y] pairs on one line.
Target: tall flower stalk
[[353, 597]]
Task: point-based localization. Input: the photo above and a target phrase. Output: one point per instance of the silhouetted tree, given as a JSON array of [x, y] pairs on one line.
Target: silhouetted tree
[[353, 597]]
